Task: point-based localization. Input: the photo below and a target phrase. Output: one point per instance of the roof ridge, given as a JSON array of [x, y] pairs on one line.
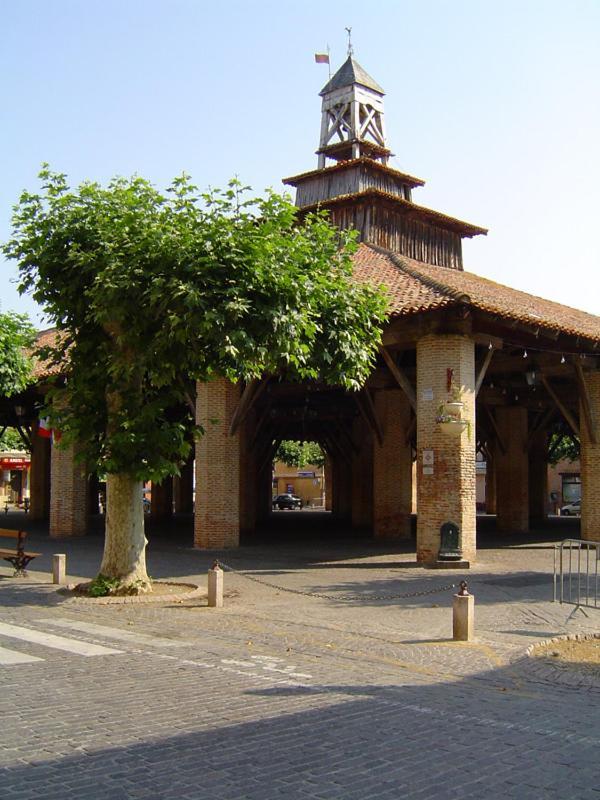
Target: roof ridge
[[432, 283]]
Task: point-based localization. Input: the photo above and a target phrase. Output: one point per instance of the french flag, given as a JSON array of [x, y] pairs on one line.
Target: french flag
[[44, 428], [46, 432]]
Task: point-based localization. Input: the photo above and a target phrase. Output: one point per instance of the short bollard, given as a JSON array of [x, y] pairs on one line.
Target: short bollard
[[59, 568], [463, 614], [215, 586]]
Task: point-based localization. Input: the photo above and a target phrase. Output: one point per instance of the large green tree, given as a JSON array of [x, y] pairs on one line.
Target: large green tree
[[17, 336], [150, 291], [300, 454]]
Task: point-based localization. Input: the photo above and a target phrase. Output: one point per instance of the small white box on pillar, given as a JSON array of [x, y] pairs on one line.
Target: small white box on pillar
[[59, 568], [463, 615], [215, 586]]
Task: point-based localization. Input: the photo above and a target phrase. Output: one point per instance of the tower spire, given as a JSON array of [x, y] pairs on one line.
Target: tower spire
[[350, 48], [352, 115]]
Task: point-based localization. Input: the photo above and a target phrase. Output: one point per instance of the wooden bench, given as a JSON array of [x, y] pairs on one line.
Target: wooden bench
[[18, 558]]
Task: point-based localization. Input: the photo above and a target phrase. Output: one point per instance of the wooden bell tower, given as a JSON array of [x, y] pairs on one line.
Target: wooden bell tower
[[358, 187], [352, 123]]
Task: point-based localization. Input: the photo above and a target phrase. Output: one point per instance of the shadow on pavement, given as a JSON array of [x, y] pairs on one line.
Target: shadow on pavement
[[474, 738]]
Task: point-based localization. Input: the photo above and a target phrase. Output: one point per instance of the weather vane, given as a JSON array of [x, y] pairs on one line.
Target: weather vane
[[350, 48]]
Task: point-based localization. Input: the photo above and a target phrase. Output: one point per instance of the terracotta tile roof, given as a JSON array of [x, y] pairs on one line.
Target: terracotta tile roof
[[408, 295], [415, 286], [40, 368]]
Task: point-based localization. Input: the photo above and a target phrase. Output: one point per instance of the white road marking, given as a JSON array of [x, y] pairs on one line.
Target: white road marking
[[14, 657], [113, 633], [268, 663], [54, 642]]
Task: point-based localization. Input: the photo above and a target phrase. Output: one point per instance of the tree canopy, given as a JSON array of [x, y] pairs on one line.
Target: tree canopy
[[151, 291], [300, 454], [10, 439], [17, 336]]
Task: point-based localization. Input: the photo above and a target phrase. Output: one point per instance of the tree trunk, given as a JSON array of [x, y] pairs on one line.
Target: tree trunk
[[125, 543]]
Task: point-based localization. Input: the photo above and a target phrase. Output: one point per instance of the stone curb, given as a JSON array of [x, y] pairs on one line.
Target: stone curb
[[570, 637], [192, 591]]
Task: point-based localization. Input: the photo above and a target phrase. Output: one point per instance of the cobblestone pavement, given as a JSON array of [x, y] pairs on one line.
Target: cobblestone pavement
[[286, 695]]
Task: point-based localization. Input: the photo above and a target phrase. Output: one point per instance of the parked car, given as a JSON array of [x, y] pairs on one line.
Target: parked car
[[290, 501], [571, 509]]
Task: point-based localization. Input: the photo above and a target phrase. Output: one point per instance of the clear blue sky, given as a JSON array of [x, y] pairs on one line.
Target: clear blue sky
[[496, 105]]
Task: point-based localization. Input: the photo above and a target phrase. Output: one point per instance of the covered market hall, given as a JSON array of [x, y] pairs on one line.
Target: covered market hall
[[467, 366]]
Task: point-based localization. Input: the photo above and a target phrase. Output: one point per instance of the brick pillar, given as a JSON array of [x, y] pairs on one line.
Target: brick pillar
[[217, 514], [538, 479], [328, 476], [93, 494], [490, 486], [264, 492], [39, 477], [342, 488], [392, 468], [512, 470], [162, 499], [362, 476], [249, 478], [183, 488], [68, 494], [590, 464], [445, 489]]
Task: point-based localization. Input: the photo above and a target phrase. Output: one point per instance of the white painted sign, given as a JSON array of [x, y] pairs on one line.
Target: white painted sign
[[428, 457], [427, 394], [427, 470]]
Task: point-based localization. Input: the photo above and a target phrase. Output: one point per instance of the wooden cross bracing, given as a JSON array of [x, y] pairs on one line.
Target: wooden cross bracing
[[369, 124]]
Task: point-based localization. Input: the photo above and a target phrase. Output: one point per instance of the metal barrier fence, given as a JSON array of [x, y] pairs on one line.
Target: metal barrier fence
[[576, 579]]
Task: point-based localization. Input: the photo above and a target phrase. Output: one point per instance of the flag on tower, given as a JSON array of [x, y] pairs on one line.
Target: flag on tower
[[44, 428], [322, 58]]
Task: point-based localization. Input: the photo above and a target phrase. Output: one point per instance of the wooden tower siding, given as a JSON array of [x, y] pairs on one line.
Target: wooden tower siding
[[361, 191], [392, 230]]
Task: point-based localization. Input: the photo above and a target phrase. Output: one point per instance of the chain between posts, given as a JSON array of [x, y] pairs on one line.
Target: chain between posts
[[343, 598]]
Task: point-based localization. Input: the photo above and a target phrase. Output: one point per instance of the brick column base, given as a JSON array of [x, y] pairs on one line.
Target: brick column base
[[392, 468], [362, 476], [445, 462], [39, 477], [68, 494], [512, 470], [217, 510], [590, 464], [538, 479], [162, 499], [183, 488]]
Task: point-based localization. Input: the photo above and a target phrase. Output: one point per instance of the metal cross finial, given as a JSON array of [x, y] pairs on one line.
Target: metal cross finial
[[350, 48]]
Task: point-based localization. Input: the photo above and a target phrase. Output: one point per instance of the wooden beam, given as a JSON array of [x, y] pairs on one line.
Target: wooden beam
[[365, 405], [539, 425], [270, 454], [561, 406], [492, 420], [487, 339], [410, 430], [483, 369], [346, 437], [260, 424], [250, 395], [25, 436], [400, 377], [586, 405]]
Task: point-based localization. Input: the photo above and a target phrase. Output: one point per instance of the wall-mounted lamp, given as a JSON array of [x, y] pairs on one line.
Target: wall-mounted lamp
[[531, 376]]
